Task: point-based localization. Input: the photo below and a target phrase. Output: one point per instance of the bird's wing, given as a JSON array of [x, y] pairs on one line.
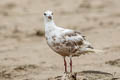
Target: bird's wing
[[73, 37], [76, 42], [72, 40]]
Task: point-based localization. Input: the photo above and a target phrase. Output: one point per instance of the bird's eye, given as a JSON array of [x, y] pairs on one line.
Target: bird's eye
[[45, 14], [52, 13]]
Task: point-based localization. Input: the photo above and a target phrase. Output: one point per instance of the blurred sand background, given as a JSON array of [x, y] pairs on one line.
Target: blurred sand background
[[24, 54]]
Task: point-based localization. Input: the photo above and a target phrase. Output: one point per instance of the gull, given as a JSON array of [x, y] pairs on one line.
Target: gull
[[66, 42]]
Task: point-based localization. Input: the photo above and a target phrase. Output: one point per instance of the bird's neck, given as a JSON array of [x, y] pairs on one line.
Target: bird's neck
[[49, 26]]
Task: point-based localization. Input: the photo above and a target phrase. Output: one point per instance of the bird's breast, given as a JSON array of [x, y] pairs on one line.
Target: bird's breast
[[60, 45]]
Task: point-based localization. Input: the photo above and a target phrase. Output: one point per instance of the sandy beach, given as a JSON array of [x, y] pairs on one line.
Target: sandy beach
[[24, 53]]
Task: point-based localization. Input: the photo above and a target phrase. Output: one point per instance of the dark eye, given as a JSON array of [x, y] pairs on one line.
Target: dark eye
[[45, 14], [52, 13]]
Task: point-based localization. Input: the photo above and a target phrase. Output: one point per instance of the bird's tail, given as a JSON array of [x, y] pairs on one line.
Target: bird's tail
[[93, 50], [87, 51]]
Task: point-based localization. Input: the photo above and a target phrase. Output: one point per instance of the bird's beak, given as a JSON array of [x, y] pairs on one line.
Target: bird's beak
[[49, 17]]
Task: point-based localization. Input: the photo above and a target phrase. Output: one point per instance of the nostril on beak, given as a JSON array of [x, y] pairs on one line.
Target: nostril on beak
[[49, 17]]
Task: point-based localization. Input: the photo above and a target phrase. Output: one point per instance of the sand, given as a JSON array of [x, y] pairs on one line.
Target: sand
[[24, 53]]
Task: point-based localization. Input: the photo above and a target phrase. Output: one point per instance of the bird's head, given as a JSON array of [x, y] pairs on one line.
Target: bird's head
[[48, 15]]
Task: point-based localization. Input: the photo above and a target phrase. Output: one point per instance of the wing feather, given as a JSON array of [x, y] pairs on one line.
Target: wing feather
[[72, 40], [75, 40]]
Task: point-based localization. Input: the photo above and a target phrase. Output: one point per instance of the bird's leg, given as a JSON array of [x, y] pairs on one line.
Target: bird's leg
[[71, 64], [65, 64]]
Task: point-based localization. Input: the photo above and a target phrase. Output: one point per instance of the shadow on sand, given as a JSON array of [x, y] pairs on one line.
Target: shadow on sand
[[86, 75]]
